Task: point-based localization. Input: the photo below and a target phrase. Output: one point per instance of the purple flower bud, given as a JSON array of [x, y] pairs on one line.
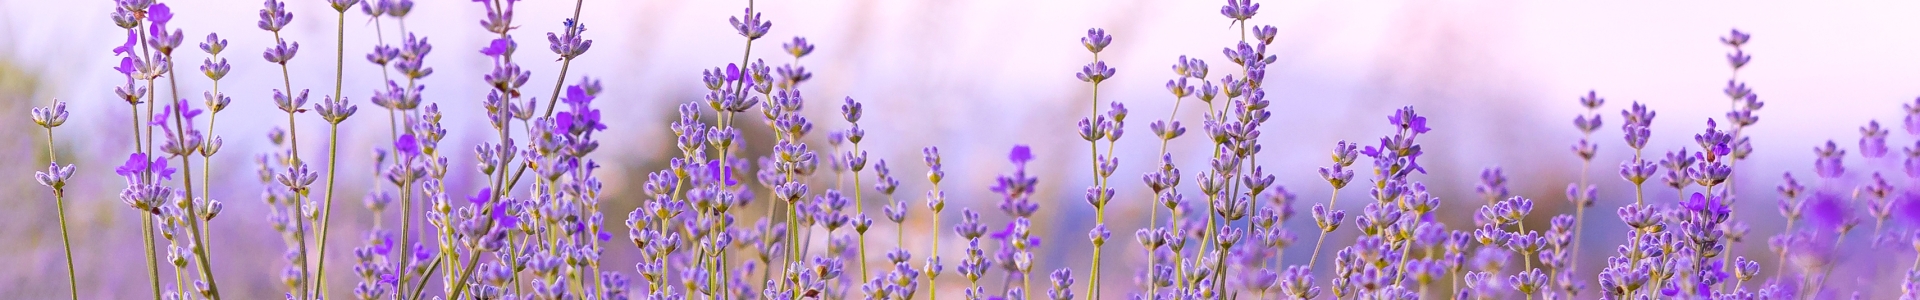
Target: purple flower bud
[[274, 16], [1096, 40], [753, 27], [1240, 10], [1873, 140], [1096, 72]]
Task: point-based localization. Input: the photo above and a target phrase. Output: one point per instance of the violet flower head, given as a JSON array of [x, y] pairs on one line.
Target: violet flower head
[[1735, 38], [499, 47], [799, 47], [55, 176], [1020, 155], [335, 110], [1240, 10], [1714, 143], [138, 165], [1406, 119], [753, 27], [160, 14], [481, 197], [1592, 100], [580, 118], [127, 49], [160, 39], [406, 146], [1095, 72], [569, 44], [1829, 164], [376, 8], [50, 117], [1096, 40], [281, 52], [850, 110], [1830, 211], [342, 5], [1912, 121], [290, 104], [274, 16], [397, 8], [1873, 140]]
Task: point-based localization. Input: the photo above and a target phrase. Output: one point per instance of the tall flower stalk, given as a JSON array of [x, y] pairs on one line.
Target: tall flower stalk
[[334, 109], [55, 177], [1741, 115], [1581, 194], [1093, 128]]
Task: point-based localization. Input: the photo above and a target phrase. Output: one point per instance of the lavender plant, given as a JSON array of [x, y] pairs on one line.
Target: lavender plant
[[55, 177], [696, 233]]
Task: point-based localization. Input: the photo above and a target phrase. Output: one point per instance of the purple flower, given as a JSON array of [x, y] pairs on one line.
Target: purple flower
[[1096, 72], [1873, 140], [798, 47], [55, 176], [1240, 10], [159, 14], [498, 47], [753, 27], [1735, 38], [481, 197], [1020, 155], [342, 5], [1829, 211], [1096, 40], [127, 48], [406, 145], [138, 165], [1407, 120], [281, 52], [50, 117], [274, 16], [1828, 164], [569, 44]]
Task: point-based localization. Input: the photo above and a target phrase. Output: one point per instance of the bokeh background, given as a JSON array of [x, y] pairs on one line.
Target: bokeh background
[[1499, 81]]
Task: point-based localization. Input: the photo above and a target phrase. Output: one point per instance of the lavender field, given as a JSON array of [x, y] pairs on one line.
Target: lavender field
[[860, 149]]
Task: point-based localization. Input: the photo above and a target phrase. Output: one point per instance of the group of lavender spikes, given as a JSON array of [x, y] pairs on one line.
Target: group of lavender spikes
[[684, 227]]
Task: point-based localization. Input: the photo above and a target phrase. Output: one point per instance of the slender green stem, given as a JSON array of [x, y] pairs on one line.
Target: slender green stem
[[333, 150], [60, 207], [1100, 209], [1323, 233], [146, 224], [199, 247], [153, 269], [421, 285]]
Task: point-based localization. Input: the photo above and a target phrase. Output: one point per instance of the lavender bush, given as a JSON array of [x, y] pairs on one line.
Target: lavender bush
[[698, 233]]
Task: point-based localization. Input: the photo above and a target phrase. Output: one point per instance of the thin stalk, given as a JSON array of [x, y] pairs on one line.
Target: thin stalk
[[1323, 234], [333, 150], [146, 224], [200, 247], [206, 160], [858, 206], [422, 284], [153, 270], [60, 207], [1100, 210], [1579, 217], [326, 214]]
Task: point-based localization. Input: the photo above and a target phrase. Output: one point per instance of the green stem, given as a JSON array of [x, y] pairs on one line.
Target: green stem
[[333, 149], [60, 207], [199, 247]]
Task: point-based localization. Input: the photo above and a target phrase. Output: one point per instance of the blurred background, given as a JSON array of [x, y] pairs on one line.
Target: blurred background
[[1498, 80]]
